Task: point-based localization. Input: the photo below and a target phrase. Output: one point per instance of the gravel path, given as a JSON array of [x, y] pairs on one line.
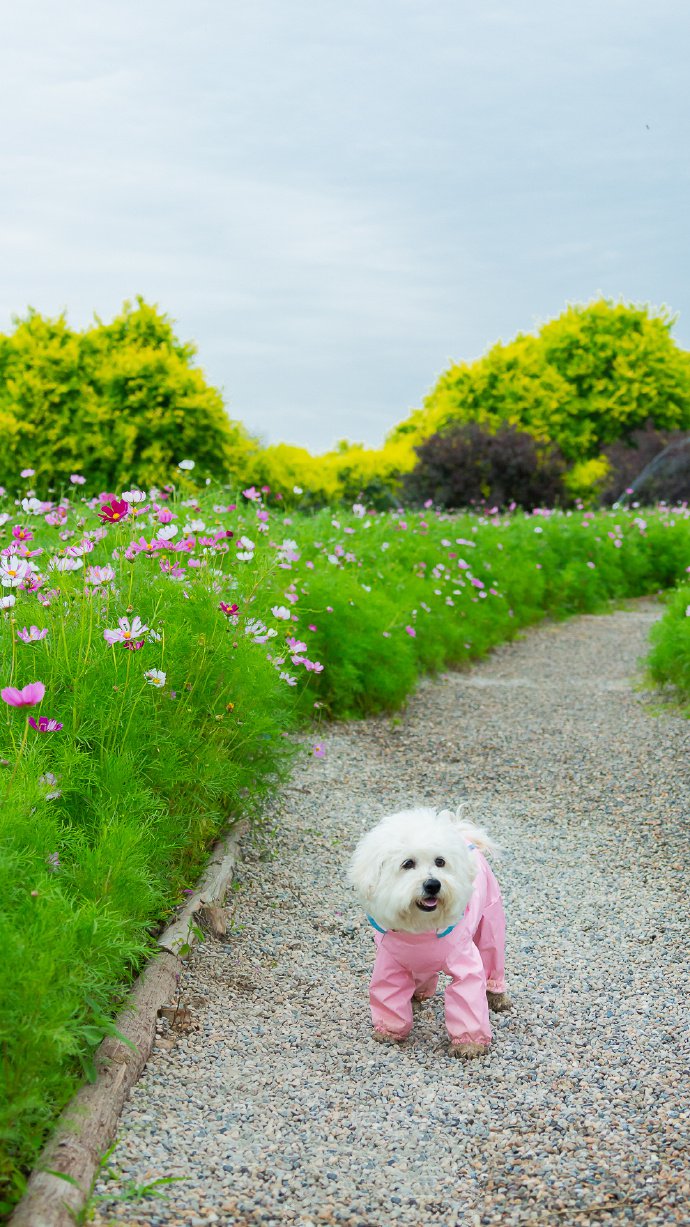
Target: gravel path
[[278, 1108]]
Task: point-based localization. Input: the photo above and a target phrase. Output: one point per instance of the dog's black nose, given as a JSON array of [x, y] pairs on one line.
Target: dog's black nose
[[432, 886]]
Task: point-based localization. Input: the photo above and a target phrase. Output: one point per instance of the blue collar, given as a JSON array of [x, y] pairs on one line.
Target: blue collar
[[374, 924]]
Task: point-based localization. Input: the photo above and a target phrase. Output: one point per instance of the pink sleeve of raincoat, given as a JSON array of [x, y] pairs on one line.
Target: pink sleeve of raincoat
[[467, 1011], [390, 993]]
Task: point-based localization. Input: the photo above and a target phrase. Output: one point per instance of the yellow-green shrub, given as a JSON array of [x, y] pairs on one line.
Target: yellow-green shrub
[[593, 375], [122, 401]]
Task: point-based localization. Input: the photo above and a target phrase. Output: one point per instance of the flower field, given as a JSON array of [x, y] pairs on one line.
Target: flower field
[[159, 649]]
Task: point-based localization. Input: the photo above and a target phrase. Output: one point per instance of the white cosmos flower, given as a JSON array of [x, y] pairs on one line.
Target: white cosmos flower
[[166, 532], [66, 564], [259, 632], [6, 602], [279, 611], [32, 506], [194, 526], [13, 570], [155, 677], [134, 496], [186, 465], [246, 553], [125, 631]]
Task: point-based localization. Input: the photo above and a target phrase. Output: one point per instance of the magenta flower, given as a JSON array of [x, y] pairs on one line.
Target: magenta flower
[[29, 696], [410, 630], [44, 725], [229, 610], [22, 534], [114, 512], [134, 646]]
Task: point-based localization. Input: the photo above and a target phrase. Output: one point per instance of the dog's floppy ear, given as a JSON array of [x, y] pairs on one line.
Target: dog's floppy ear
[[446, 814], [365, 868]]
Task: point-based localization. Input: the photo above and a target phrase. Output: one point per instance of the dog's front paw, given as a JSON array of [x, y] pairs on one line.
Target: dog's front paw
[[386, 1037], [467, 1049], [498, 1002]]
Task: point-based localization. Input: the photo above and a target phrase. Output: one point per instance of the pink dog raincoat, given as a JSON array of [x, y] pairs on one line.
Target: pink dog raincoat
[[471, 952]]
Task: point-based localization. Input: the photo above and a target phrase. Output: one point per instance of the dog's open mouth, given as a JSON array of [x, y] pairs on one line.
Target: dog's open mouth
[[427, 903]]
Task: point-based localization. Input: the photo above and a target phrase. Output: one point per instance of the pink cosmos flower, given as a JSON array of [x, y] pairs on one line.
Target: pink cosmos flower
[[142, 546], [32, 635], [28, 696], [410, 630], [114, 512], [28, 473], [318, 751], [99, 575], [134, 645], [22, 534], [44, 725], [252, 494], [175, 572], [77, 479]]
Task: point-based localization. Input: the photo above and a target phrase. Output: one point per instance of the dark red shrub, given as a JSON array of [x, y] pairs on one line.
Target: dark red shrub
[[467, 465]]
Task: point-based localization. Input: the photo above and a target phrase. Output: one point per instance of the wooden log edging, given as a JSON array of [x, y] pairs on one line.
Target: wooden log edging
[[87, 1125]]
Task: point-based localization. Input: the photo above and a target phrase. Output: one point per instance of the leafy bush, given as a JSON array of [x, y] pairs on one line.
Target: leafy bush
[[350, 472], [668, 663], [590, 377], [468, 465], [121, 401]]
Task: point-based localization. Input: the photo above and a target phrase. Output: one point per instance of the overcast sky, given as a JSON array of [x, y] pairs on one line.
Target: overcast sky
[[336, 199]]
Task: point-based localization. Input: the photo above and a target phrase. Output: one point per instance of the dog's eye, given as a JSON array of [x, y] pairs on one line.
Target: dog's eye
[[409, 864], [440, 862]]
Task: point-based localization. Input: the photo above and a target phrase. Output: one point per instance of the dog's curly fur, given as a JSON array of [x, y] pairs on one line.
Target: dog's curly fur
[[391, 870]]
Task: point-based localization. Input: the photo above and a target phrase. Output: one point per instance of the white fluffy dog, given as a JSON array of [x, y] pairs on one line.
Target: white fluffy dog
[[434, 905]]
